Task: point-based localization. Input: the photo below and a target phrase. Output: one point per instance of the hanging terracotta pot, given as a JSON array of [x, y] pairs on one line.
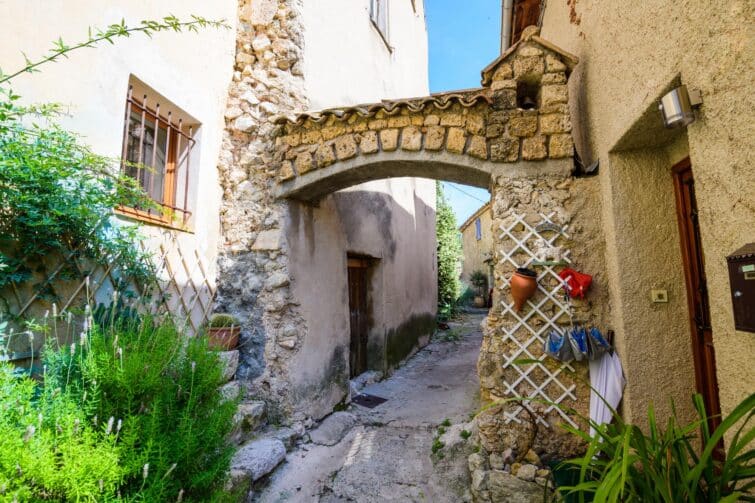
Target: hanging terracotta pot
[[523, 285]]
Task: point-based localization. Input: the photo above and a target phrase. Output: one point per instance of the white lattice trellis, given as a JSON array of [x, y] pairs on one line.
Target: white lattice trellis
[[182, 286], [526, 338]]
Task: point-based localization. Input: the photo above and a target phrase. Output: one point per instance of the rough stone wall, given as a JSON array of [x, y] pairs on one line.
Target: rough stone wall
[[253, 281], [574, 207]]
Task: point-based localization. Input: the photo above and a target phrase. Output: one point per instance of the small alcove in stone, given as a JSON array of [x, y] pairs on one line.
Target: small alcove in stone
[[527, 93], [530, 100]]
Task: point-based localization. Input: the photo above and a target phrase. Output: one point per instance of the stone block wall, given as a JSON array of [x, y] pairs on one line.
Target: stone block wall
[[520, 114], [536, 431], [253, 277]]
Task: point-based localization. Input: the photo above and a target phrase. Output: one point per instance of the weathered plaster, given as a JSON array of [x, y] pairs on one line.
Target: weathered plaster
[[631, 52]]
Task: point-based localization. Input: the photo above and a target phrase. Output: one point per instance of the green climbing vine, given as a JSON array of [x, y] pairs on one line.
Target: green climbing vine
[[56, 194], [449, 254]]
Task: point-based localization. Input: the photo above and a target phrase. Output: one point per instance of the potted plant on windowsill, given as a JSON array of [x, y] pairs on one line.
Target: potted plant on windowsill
[[223, 332]]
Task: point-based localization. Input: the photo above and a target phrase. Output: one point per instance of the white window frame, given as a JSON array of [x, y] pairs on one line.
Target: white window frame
[[379, 17]]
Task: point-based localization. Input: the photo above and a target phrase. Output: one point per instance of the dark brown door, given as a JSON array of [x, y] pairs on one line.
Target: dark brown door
[[697, 291], [358, 315]]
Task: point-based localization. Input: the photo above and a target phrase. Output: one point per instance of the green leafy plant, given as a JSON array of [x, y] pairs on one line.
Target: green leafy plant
[[465, 434], [49, 449], [56, 194], [109, 34], [449, 255], [158, 390], [222, 321], [437, 445], [677, 463]]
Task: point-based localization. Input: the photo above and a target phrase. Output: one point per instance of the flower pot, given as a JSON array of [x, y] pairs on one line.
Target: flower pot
[[479, 301], [523, 286], [223, 338]]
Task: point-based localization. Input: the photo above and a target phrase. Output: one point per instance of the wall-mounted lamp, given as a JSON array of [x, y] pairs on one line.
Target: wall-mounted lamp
[[677, 107]]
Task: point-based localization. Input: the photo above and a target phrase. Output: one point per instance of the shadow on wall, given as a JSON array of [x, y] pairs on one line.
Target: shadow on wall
[[401, 287]]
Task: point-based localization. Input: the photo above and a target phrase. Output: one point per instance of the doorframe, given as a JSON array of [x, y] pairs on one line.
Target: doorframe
[[705, 384]]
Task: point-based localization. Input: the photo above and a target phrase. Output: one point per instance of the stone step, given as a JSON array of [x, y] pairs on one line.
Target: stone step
[[333, 428], [250, 417], [253, 461]]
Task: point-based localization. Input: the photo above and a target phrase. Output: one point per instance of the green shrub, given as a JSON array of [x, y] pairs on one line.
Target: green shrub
[[449, 252], [158, 390], [667, 465], [49, 449], [467, 297], [222, 321]]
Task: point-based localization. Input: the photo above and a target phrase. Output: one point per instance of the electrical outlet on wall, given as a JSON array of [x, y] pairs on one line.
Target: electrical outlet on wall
[[659, 296]]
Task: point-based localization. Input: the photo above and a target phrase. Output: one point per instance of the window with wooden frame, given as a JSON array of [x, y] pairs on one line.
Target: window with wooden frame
[[379, 18], [526, 13], [157, 149]]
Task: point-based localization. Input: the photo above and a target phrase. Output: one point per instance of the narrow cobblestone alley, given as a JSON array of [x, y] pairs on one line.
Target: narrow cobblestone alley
[[385, 453]]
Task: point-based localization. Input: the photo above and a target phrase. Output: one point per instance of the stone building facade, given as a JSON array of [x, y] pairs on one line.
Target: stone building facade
[[477, 246], [283, 267], [511, 136]]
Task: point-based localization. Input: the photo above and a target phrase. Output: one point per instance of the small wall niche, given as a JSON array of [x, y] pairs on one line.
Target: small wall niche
[[527, 95]]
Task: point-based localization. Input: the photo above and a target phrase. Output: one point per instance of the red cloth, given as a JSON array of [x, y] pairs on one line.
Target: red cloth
[[577, 283]]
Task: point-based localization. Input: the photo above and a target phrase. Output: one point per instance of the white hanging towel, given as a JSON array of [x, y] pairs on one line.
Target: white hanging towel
[[607, 380]]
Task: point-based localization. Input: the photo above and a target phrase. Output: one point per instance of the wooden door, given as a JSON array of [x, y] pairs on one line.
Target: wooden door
[[697, 291], [358, 314]]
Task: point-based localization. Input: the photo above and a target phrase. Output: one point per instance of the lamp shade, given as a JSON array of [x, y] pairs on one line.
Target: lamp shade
[[676, 108]]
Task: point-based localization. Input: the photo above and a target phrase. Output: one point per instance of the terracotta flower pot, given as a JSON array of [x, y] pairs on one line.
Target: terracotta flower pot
[[223, 338], [523, 286], [479, 301]]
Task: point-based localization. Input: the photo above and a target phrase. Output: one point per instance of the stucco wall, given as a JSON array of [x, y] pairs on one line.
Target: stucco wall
[[391, 220], [192, 70], [631, 52], [477, 252]]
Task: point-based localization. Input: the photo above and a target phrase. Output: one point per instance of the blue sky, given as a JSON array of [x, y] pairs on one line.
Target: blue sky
[[464, 36]]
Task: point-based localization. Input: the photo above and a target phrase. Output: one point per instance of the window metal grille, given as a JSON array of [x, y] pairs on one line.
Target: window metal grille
[[157, 153]]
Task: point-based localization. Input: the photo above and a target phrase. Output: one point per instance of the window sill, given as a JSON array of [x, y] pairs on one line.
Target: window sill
[[149, 219]]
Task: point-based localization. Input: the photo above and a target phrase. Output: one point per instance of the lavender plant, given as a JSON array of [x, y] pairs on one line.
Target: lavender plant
[[155, 388]]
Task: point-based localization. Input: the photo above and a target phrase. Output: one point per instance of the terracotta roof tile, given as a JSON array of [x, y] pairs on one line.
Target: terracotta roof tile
[[465, 97]]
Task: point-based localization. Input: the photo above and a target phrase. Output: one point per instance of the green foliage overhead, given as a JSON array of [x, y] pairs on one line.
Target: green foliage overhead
[[449, 251], [670, 465], [117, 30]]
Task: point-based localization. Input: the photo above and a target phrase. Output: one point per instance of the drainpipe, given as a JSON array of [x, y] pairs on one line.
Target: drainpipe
[[507, 12]]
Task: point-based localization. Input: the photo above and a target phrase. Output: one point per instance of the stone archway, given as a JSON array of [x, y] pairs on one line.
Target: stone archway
[[512, 136]]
